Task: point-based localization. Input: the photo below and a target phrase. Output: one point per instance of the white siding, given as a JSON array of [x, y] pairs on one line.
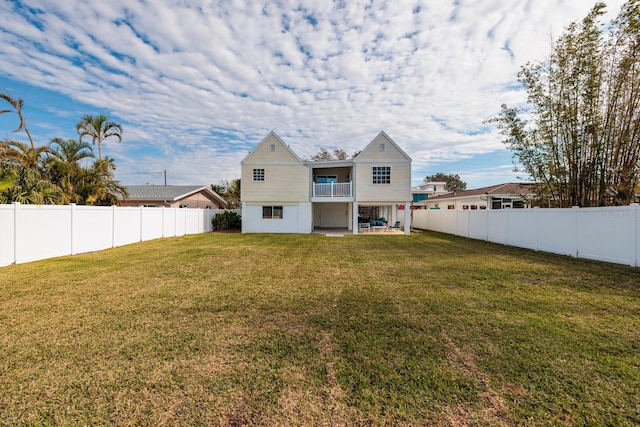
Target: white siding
[[398, 191], [295, 219], [282, 183]]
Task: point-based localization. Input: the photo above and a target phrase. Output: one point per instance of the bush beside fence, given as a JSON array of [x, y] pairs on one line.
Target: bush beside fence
[[35, 232], [610, 234]]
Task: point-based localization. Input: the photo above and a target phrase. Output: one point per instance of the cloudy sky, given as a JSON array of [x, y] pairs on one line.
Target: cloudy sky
[[197, 83]]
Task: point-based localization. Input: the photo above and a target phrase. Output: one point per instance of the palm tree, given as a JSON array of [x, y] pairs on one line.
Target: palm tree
[[98, 186], [26, 185], [17, 108], [64, 167], [98, 128], [70, 151], [16, 152]]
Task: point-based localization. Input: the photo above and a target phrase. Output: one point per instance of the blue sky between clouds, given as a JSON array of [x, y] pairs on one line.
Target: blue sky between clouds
[[196, 84]]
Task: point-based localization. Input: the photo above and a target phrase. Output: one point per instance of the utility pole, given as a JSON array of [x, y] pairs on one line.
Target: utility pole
[[165, 177]]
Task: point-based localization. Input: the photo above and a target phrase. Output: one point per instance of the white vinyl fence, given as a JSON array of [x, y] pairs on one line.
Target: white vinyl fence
[[610, 234], [35, 232]]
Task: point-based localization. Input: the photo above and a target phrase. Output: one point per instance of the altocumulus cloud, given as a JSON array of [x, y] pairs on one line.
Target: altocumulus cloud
[[198, 83]]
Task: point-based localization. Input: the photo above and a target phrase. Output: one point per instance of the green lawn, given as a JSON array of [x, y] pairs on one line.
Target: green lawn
[[231, 329]]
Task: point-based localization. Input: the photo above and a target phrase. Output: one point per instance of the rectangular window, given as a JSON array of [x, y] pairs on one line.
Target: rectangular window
[[258, 174], [272, 147], [382, 174], [381, 148], [272, 212]]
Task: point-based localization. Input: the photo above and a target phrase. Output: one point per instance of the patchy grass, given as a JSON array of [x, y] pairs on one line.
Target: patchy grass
[[230, 329]]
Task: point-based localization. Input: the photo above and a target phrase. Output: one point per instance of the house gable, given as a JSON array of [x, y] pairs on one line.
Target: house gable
[[272, 172], [382, 148], [272, 150], [383, 155]]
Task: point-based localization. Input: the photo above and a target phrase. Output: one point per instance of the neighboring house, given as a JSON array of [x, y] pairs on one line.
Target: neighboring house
[[173, 196], [281, 193], [501, 196], [427, 190]]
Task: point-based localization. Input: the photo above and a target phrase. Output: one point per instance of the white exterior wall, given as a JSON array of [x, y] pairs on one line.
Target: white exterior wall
[[610, 234], [331, 215], [35, 232], [295, 219]]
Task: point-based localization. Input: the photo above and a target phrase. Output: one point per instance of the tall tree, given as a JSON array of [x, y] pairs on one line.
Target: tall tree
[[582, 141], [98, 128], [98, 186], [16, 152], [17, 104], [453, 181], [64, 167], [230, 191]]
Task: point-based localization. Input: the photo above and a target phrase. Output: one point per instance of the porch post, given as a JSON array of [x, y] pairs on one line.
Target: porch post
[[354, 218], [407, 218]]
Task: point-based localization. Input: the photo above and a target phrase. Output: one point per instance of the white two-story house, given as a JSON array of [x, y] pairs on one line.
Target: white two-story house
[[281, 193]]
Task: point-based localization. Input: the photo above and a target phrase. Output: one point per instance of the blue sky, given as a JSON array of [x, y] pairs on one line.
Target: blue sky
[[197, 84]]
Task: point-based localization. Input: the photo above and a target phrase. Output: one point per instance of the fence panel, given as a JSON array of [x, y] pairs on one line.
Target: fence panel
[[557, 231], [521, 228], [610, 234], [7, 236], [35, 232], [496, 226], [92, 228], [181, 218], [192, 223], [462, 223], [152, 226], [607, 234], [478, 224], [42, 231]]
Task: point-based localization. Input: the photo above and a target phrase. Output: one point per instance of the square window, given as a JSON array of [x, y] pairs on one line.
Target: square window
[[272, 212], [381, 174], [258, 174]]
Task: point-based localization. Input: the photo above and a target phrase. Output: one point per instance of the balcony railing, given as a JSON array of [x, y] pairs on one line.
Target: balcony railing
[[332, 189]]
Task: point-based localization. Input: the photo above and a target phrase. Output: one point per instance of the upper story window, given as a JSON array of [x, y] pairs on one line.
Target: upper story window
[[258, 174], [381, 174], [272, 147], [381, 148]]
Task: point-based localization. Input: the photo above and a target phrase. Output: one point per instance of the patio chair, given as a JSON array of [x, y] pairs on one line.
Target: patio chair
[[363, 226], [395, 226]]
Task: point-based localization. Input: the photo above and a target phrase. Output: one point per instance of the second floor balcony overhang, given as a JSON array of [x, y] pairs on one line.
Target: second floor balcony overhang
[[332, 190]]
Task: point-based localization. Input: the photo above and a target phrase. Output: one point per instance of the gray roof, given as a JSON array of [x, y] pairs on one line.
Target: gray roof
[[510, 188], [166, 192]]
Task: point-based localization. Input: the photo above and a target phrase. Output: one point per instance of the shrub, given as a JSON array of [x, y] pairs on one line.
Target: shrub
[[227, 220]]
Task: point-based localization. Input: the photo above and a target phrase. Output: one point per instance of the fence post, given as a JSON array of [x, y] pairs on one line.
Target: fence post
[[141, 221], [72, 208], [507, 226], [163, 222], [536, 225], [113, 226], [635, 214], [16, 228], [576, 251], [486, 223]]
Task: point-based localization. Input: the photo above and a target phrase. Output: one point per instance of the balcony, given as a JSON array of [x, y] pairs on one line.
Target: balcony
[[332, 189]]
